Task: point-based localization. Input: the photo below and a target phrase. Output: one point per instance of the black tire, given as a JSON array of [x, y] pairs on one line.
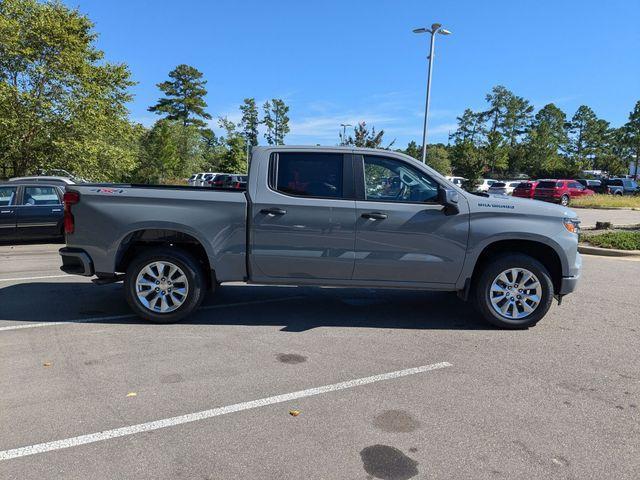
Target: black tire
[[491, 270], [564, 200], [187, 263]]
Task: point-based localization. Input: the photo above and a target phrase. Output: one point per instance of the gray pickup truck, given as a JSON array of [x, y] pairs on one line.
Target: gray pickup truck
[[324, 216]]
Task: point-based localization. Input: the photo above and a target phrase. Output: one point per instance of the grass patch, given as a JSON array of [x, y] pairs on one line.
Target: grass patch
[[619, 240], [629, 201]]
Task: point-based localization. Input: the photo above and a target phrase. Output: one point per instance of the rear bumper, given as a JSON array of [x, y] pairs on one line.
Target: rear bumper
[[76, 261]]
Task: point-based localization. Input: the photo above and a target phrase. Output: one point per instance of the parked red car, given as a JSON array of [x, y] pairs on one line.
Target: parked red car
[[560, 191], [525, 189]]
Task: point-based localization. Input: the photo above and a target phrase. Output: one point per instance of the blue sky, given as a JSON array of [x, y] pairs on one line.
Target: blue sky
[[348, 61]]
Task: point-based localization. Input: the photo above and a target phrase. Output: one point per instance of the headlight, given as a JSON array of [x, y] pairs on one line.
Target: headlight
[[572, 224]]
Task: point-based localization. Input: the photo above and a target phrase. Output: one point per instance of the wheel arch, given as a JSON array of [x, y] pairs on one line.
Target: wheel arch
[[541, 251], [136, 240]]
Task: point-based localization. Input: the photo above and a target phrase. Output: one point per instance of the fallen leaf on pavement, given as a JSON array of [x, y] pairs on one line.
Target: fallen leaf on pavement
[[132, 394], [47, 364], [294, 413]]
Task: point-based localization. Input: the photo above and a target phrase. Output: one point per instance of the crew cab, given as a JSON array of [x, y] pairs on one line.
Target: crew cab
[[327, 216]]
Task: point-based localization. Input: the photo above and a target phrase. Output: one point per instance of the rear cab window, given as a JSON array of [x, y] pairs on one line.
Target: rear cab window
[[308, 174], [7, 196], [38, 196]]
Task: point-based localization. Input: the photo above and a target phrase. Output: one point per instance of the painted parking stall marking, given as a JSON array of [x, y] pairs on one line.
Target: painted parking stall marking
[[42, 277], [215, 412], [132, 315]]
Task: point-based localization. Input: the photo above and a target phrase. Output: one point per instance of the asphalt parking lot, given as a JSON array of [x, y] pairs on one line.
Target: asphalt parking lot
[[388, 384]]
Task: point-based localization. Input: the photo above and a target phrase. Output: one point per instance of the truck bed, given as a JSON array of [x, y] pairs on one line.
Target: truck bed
[[108, 215]]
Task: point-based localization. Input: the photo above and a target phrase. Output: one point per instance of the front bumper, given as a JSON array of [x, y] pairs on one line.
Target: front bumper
[[76, 261], [568, 284]]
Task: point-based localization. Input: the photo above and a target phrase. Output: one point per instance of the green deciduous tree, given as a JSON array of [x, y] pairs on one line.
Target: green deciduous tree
[[276, 121], [169, 153], [61, 104], [184, 97], [233, 154], [468, 162], [437, 156]]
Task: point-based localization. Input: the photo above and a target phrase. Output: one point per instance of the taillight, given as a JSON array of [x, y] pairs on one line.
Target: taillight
[[69, 198], [237, 185]]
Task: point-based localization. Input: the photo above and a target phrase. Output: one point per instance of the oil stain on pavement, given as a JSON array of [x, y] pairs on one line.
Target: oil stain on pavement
[[291, 358], [388, 463], [396, 421]]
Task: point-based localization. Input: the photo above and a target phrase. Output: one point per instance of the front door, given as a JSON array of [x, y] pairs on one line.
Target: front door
[[40, 212], [303, 219], [403, 235], [7, 211]]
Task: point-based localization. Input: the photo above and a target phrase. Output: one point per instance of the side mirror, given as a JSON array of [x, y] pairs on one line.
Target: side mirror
[[449, 198]]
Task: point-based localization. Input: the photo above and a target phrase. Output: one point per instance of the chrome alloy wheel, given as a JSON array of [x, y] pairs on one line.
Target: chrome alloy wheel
[[162, 287], [515, 293]]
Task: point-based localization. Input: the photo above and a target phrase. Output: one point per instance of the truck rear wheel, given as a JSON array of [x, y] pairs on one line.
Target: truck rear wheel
[[513, 291], [164, 285]]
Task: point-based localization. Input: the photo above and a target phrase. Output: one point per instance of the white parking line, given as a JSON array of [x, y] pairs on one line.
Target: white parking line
[[132, 315], [34, 278], [215, 412]]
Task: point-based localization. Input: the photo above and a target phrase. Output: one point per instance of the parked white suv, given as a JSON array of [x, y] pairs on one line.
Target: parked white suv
[[504, 188], [485, 184]]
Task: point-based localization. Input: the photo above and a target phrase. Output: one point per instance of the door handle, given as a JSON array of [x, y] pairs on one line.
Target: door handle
[[56, 209], [374, 216], [6, 211], [273, 211]]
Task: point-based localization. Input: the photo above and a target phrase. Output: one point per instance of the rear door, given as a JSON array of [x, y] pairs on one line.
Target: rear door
[[576, 189], [403, 235], [8, 215], [303, 218], [40, 211]]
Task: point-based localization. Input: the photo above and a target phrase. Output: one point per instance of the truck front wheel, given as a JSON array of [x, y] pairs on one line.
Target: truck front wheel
[[513, 291], [164, 285]]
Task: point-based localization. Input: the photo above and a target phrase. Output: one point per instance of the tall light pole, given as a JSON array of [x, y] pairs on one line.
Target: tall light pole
[[344, 131], [435, 29]]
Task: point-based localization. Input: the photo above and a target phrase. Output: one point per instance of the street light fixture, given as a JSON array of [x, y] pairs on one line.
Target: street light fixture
[[344, 131], [436, 28]]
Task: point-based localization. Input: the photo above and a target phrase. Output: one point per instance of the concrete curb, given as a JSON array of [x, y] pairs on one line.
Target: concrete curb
[[608, 252], [633, 209]]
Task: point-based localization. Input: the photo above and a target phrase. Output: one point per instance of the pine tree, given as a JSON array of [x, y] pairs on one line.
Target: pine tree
[[587, 138], [545, 142], [184, 97], [363, 137], [250, 121], [276, 121], [631, 137]]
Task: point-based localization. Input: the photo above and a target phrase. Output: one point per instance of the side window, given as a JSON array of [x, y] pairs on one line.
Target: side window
[[7, 196], [390, 180], [309, 174], [574, 185], [40, 196]]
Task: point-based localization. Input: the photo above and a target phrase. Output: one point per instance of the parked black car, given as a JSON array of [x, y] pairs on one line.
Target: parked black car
[[30, 210], [595, 185], [229, 181]]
